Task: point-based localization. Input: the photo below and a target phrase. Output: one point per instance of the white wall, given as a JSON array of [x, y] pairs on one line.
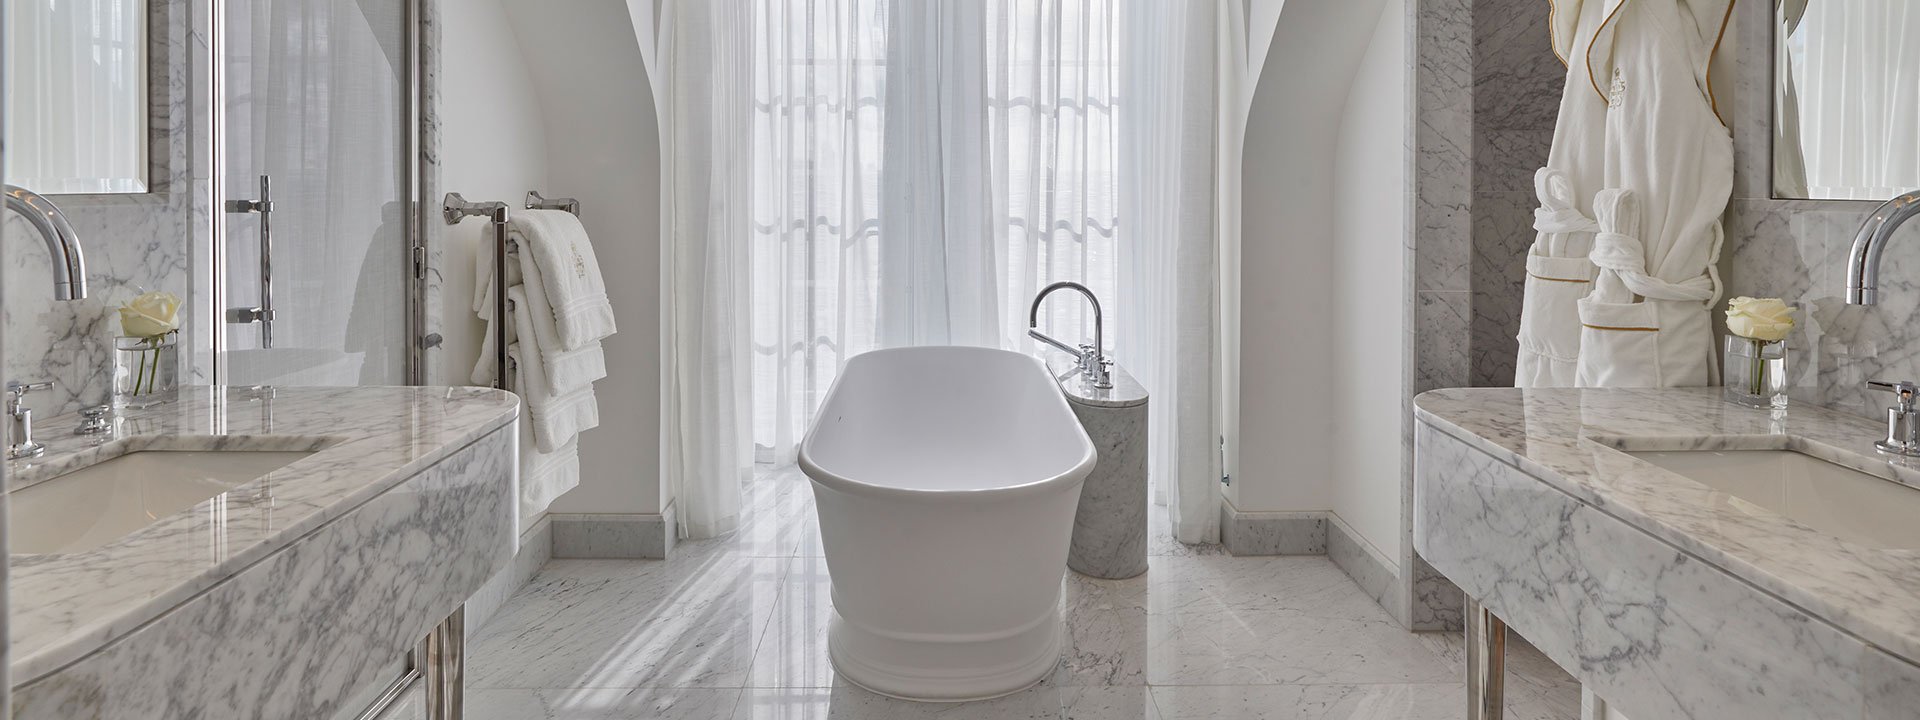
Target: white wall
[[603, 147], [559, 102], [490, 150], [1287, 240], [1370, 294]]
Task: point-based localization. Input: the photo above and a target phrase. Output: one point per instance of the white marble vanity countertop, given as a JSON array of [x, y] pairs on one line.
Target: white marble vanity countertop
[[1566, 437], [369, 440]]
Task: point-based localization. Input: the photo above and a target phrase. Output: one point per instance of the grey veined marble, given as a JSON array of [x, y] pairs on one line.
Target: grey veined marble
[[1110, 528], [1668, 598], [415, 474]]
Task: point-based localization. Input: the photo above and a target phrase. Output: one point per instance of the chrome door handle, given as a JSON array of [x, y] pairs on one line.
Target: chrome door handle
[[263, 313]]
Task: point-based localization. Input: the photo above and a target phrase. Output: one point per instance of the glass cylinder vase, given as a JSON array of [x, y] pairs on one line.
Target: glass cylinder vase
[[146, 370], [1756, 372]]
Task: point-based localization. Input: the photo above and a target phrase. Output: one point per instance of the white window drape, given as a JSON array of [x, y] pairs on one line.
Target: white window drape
[[920, 169], [76, 83], [1851, 109], [921, 192]]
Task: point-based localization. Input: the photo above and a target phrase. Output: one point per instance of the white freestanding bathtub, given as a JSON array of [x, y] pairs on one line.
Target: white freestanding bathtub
[[946, 479]]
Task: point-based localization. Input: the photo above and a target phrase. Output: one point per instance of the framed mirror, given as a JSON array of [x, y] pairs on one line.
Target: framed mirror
[[1846, 99], [77, 87]]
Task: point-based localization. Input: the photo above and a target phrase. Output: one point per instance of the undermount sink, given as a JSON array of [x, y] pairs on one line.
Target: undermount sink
[[1840, 501], [106, 501]]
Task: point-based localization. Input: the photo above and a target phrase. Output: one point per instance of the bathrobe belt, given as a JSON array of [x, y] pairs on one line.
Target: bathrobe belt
[[1614, 250]]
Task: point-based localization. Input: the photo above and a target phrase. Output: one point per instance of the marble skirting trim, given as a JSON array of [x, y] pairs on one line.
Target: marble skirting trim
[[610, 536], [535, 549], [295, 635], [1272, 533], [1377, 576], [1657, 631]]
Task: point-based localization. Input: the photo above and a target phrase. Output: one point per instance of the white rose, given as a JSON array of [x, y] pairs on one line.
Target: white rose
[[150, 315], [1767, 319]]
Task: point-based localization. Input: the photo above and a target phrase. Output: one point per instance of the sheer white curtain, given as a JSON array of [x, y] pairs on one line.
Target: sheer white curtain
[[1168, 301], [1053, 94], [1858, 102], [76, 82], [819, 123], [704, 58], [916, 171], [920, 191]]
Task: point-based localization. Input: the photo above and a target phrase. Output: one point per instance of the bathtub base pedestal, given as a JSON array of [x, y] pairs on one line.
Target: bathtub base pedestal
[[944, 669]]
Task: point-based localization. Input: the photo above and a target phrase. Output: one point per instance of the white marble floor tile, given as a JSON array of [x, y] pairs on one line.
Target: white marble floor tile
[[1201, 635], [852, 703], [1310, 585], [687, 622], [1436, 701], [1285, 647], [602, 704]]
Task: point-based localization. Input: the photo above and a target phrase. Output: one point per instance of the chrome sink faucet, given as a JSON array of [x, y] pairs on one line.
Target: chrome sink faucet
[[20, 443], [1903, 420], [1863, 261], [1094, 365], [63, 244]]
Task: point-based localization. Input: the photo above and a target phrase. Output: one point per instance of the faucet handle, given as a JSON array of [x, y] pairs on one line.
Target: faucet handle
[[19, 388], [1904, 392], [17, 392], [95, 422]]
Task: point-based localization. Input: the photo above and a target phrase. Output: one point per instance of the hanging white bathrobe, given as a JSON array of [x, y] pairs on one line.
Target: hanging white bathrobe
[[1668, 174], [1558, 271]]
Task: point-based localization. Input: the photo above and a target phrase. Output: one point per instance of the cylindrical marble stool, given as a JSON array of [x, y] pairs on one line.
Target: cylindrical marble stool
[[1110, 528]]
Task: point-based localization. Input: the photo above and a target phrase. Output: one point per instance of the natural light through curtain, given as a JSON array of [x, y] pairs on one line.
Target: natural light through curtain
[[818, 123], [1005, 108]]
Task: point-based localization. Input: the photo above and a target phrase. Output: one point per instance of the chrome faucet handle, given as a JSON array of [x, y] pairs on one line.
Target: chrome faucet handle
[[95, 422], [1904, 391], [17, 393], [1903, 432]]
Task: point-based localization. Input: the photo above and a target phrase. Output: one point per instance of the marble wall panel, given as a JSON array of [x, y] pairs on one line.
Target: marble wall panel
[[132, 243]]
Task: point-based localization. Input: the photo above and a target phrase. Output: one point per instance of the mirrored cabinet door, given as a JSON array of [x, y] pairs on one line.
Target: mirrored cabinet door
[[314, 188]]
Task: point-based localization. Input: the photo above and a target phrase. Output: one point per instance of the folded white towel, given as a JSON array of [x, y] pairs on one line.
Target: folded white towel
[[557, 247], [565, 368], [558, 414], [545, 476]]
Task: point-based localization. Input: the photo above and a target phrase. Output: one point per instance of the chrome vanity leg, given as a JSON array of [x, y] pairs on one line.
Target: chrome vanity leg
[[446, 666], [1486, 663]]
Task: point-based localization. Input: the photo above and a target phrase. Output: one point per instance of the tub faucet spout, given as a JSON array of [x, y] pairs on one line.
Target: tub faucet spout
[[63, 244], [1093, 358], [1863, 262]]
